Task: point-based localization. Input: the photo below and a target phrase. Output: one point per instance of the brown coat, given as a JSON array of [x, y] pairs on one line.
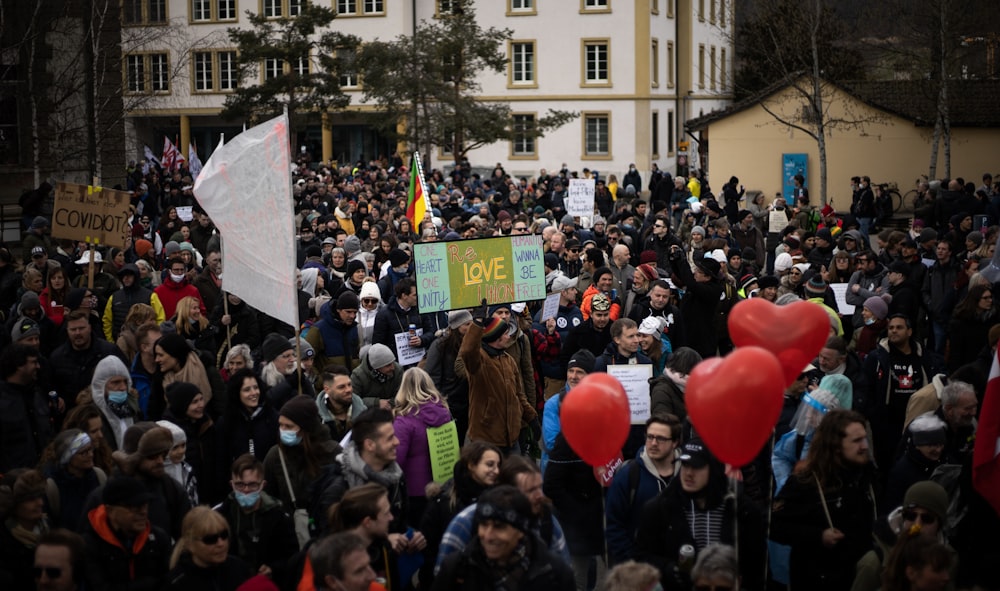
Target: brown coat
[[497, 405]]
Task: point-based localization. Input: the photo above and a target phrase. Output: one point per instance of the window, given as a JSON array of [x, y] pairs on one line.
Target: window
[[273, 68], [701, 10], [347, 68], [701, 66], [722, 13], [656, 134], [523, 142], [280, 8], [367, 7], [203, 11], [144, 12], [654, 6], [347, 7], [147, 72], [595, 6], [521, 64], [448, 7], [670, 132], [521, 7], [723, 83], [711, 59], [301, 66], [596, 132], [654, 64], [596, 62], [214, 71], [711, 11], [670, 64], [670, 8]]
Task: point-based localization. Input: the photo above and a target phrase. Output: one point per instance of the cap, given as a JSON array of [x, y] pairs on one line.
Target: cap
[[329, 241], [125, 491], [562, 282], [695, 454], [38, 251], [85, 258]]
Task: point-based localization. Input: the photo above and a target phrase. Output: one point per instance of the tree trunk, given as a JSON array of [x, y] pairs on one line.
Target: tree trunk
[[36, 148], [816, 104], [943, 92], [935, 143]]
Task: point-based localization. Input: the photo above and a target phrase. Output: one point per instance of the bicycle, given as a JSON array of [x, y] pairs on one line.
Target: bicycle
[[899, 201]]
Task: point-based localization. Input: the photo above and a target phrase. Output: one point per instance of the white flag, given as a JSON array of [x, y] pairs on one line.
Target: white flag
[[194, 163], [148, 153], [245, 187]]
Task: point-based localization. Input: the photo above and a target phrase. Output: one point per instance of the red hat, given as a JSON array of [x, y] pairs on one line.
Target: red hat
[[647, 256], [648, 271], [827, 210]]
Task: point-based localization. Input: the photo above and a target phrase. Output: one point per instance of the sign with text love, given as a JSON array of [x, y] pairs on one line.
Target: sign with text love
[[91, 214], [460, 273]]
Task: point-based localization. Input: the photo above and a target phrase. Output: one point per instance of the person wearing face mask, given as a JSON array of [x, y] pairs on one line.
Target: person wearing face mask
[[176, 287], [398, 269], [110, 389], [263, 534], [632, 178], [866, 337]]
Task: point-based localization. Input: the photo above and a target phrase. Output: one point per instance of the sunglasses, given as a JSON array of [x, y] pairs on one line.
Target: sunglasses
[[369, 301], [520, 228], [212, 539], [574, 250], [925, 518], [52, 572]]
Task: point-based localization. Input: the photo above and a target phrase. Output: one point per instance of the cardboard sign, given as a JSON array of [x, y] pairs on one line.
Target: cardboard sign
[[550, 309], [461, 273], [406, 354], [185, 212], [635, 380], [580, 197], [91, 214], [442, 442]]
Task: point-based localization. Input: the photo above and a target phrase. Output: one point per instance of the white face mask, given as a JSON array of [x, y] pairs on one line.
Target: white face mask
[[177, 278]]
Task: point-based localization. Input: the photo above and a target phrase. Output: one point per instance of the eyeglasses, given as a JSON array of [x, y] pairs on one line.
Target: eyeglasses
[[925, 518], [521, 228], [659, 439], [213, 539], [52, 572], [249, 486]]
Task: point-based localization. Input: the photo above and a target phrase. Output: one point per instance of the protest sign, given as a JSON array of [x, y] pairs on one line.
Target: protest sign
[[635, 380], [185, 213], [777, 221], [840, 295], [406, 354], [580, 197], [550, 309], [460, 274], [442, 442], [91, 214]]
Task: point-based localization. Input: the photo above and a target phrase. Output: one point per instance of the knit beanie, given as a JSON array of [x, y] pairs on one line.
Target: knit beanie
[[74, 299], [582, 359], [877, 306], [380, 356], [24, 327], [370, 290], [398, 257], [352, 245], [494, 329], [142, 247], [274, 345], [175, 431], [302, 411], [457, 318], [175, 346], [816, 285], [306, 350], [782, 262], [179, 397], [929, 495], [648, 271], [353, 267], [348, 301], [30, 301], [928, 429], [698, 230]]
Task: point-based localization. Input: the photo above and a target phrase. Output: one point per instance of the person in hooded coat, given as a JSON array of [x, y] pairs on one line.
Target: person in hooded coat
[[119, 414], [186, 409]]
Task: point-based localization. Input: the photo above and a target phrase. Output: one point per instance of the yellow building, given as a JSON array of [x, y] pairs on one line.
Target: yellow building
[[889, 138]]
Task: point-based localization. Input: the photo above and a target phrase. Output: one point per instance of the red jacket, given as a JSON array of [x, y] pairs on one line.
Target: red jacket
[[171, 292]]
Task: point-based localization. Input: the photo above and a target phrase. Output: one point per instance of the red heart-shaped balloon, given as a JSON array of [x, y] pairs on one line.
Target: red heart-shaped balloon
[[595, 418], [735, 401], [794, 333]]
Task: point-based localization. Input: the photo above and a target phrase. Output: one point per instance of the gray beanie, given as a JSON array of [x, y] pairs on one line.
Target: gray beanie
[[457, 318], [352, 245], [380, 356]]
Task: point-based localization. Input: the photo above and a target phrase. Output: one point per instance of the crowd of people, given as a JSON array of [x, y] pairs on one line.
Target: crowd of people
[[157, 432]]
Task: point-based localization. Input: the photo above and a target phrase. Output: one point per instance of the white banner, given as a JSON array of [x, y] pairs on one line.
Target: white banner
[[635, 380], [245, 187], [580, 197]]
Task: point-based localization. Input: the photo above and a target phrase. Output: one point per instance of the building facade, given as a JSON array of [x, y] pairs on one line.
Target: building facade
[[634, 70]]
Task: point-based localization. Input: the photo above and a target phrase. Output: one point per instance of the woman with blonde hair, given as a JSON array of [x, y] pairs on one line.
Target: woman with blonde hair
[[419, 406], [193, 326], [201, 558]]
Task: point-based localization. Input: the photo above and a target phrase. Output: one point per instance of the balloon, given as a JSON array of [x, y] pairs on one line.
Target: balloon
[[734, 402], [794, 333], [595, 418]]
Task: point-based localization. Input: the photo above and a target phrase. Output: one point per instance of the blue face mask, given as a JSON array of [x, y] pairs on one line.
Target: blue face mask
[[290, 438], [869, 321], [247, 500], [118, 397]]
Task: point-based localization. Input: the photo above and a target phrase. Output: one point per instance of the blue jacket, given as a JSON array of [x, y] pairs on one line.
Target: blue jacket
[[550, 425], [623, 507]]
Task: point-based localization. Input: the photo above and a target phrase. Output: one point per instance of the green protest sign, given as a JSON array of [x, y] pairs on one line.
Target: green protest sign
[[443, 445], [461, 273]]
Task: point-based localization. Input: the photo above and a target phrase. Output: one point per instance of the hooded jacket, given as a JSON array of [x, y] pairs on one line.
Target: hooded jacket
[[335, 342], [623, 505], [108, 368], [170, 293], [110, 565], [413, 454], [332, 423]]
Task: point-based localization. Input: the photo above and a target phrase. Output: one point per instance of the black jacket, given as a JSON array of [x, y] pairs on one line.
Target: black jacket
[[577, 498], [241, 432], [24, 426], [469, 571], [265, 536], [585, 336], [72, 369], [187, 576], [699, 308]]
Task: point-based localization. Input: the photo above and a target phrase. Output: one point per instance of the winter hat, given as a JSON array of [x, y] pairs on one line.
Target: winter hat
[[600, 303], [302, 411], [30, 301], [24, 327], [258, 583], [143, 246], [652, 325], [900, 267], [171, 248], [380, 356], [518, 308], [747, 280], [698, 230], [647, 256], [314, 251], [494, 329], [975, 236], [151, 441], [708, 266], [274, 345], [69, 443], [175, 346], [802, 267], [582, 359], [816, 285], [824, 234], [398, 258], [178, 434], [827, 210], [306, 350], [457, 318], [74, 299], [928, 429], [353, 266], [179, 397], [370, 290], [719, 255], [768, 281], [749, 254], [648, 271], [840, 387], [352, 245], [783, 262], [125, 491], [567, 220], [503, 216], [187, 246], [793, 241], [551, 260], [929, 495], [927, 234], [877, 307], [497, 307], [39, 222], [348, 301]]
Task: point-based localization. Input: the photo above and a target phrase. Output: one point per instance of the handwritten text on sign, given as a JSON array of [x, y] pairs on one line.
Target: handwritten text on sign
[[91, 214], [460, 274], [580, 197]]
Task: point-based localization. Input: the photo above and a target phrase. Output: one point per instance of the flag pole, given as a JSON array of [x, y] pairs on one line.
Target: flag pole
[[295, 288]]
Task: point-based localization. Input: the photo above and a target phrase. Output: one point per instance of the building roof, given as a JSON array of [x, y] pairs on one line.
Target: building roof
[[972, 103]]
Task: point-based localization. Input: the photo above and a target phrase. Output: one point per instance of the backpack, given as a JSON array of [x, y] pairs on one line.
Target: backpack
[[948, 475], [812, 220], [634, 472]]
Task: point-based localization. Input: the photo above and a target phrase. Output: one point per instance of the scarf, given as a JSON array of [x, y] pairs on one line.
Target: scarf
[[507, 575], [357, 472], [27, 537], [377, 375], [193, 372], [122, 411]]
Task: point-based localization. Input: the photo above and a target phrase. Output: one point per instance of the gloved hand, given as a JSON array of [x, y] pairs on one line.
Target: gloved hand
[[480, 313], [536, 429]]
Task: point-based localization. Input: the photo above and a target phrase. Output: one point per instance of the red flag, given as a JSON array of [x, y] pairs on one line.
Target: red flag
[[986, 454], [416, 199], [170, 154]]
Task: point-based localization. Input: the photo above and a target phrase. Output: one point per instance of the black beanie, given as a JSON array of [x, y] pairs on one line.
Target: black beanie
[[179, 397], [398, 257], [274, 345], [582, 359], [353, 266], [348, 301], [302, 411], [74, 299], [175, 346]]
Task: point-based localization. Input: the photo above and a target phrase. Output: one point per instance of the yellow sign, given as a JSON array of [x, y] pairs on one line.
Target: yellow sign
[[91, 214]]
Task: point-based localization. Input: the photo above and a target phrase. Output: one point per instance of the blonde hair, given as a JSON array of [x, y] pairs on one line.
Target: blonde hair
[[199, 522], [138, 315], [416, 389], [183, 318]]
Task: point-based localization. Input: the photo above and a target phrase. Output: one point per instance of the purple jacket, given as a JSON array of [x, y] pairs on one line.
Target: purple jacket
[[412, 455]]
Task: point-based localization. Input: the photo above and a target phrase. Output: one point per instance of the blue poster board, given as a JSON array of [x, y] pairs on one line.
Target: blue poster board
[[791, 165]]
